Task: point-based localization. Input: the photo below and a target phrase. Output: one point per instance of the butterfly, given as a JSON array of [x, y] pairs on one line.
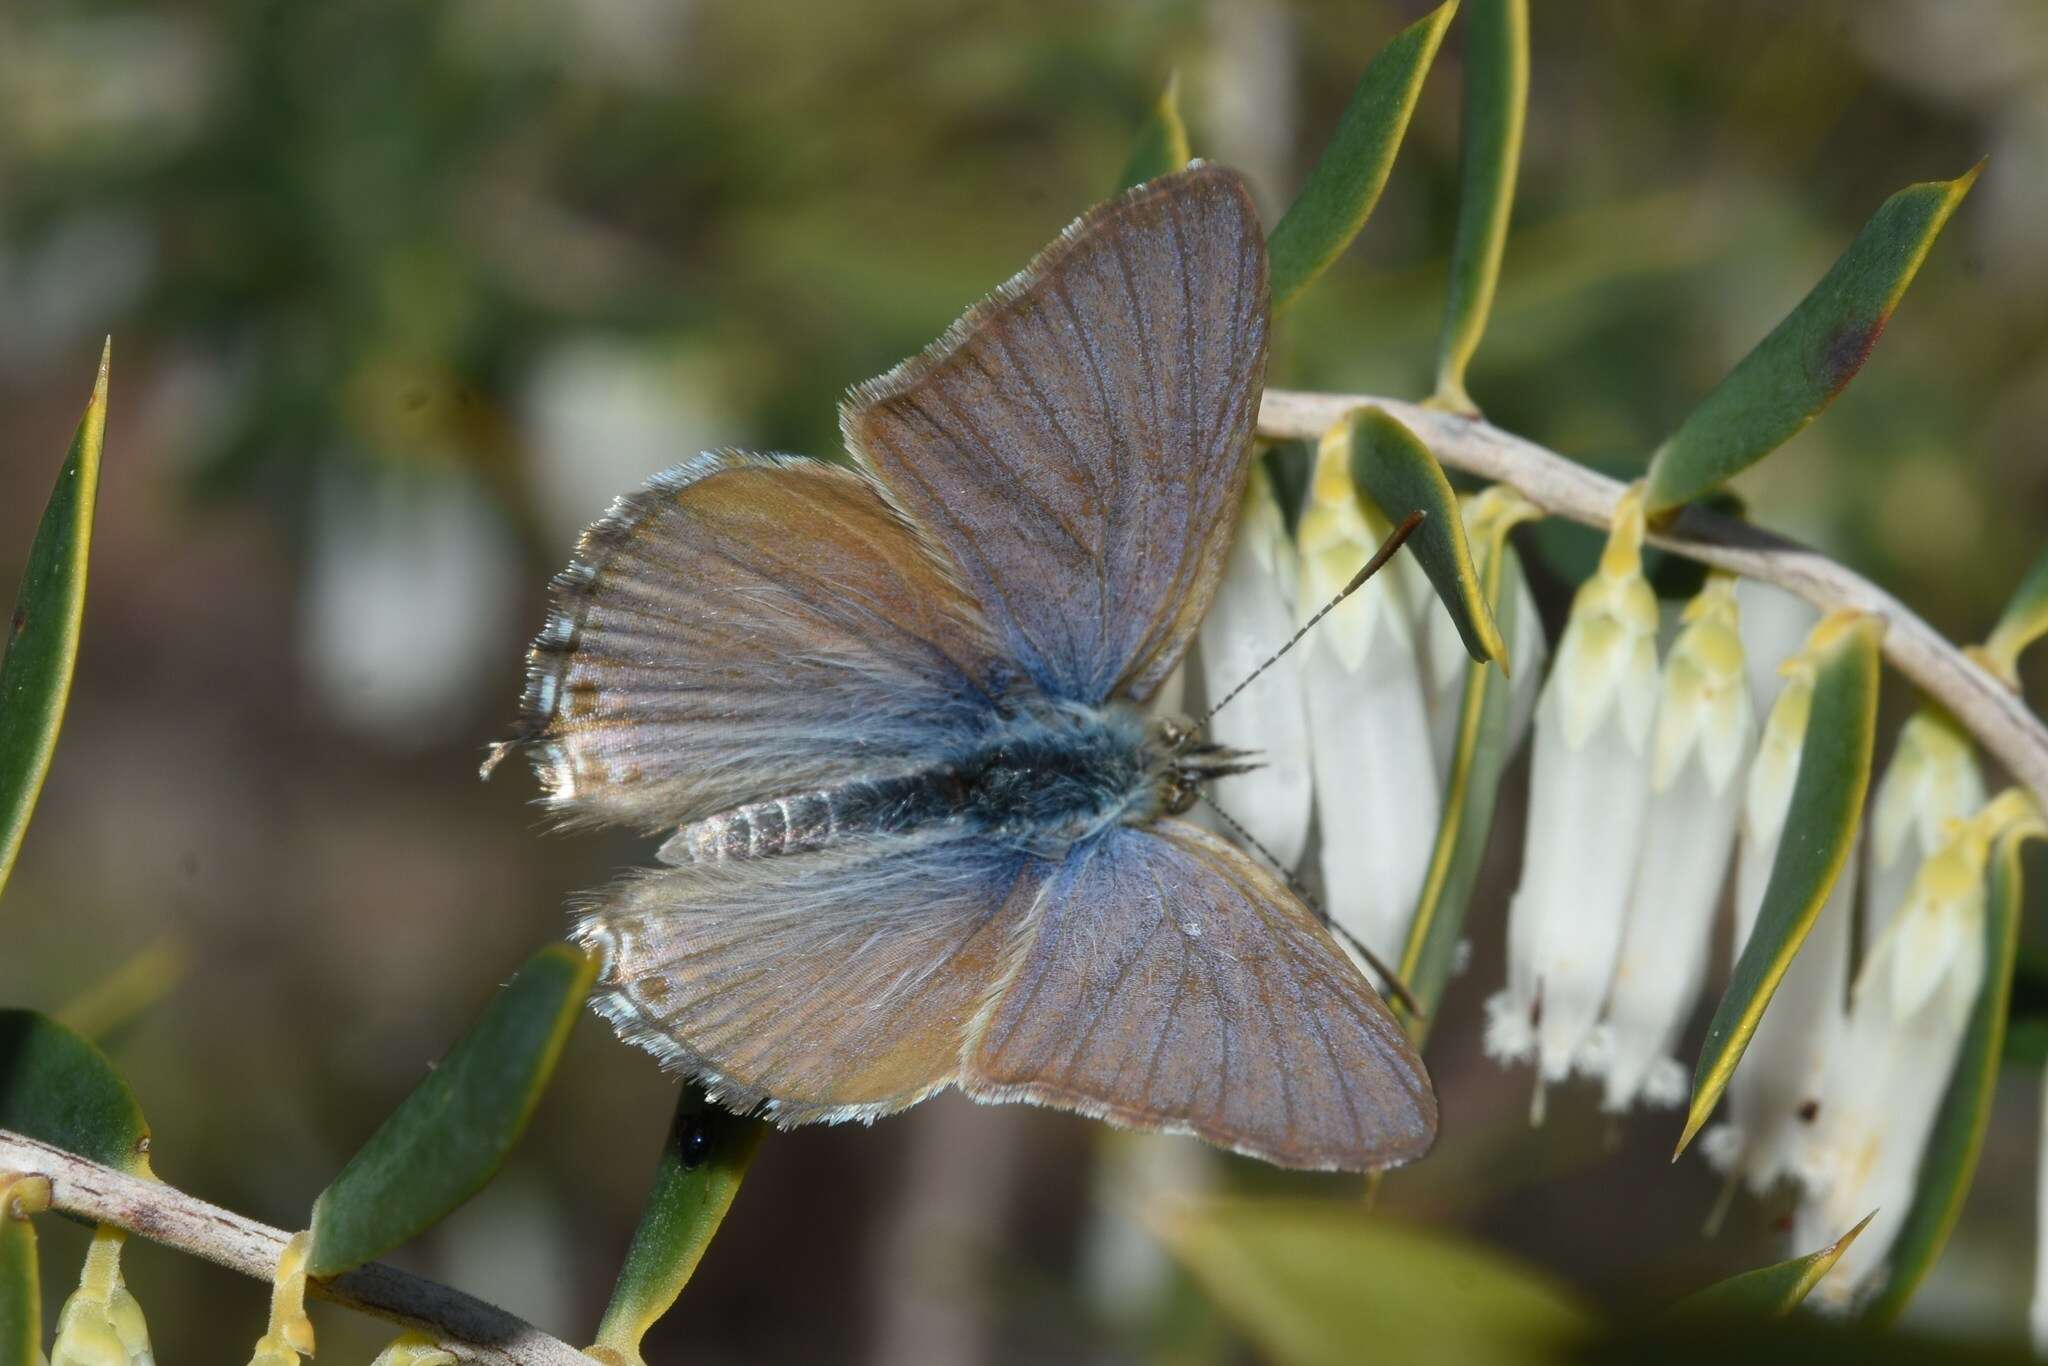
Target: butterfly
[[921, 831]]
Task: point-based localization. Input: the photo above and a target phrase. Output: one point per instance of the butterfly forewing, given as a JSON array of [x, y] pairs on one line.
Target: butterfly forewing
[[1078, 443], [1171, 983], [745, 628]]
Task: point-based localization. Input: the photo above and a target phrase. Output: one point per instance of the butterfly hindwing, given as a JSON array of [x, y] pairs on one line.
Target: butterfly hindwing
[[835, 984], [743, 628], [1171, 983], [1078, 443]]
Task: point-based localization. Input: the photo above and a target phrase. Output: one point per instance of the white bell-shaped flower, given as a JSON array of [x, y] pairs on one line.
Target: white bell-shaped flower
[[1932, 779], [1769, 1101], [1705, 728], [1251, 618], [1376, 791], [1886, 1077], [1587, 791], [1446, 663]]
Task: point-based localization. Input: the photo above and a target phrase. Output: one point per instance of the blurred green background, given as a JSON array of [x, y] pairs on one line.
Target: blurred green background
[[403, 293]]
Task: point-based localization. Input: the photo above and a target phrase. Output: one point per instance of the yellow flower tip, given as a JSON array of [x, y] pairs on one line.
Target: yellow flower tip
[[414, 1348], [2012, 812], [1623, 557], [1998, 656], [23, 1196], [1716, 600], [1834, 630]]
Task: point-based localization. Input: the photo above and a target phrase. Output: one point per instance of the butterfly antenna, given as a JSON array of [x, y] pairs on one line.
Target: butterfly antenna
[[1396, 988], [1372, 566]]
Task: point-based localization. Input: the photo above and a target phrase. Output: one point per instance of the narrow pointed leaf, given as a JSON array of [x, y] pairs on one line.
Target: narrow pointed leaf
[[1390, 462], [1161, 147], [42, 635], [1769, 1292], [2025, 621], [445, 1141], [1827, 804], [1340, 192], [21, 1294], [1950, 1162], [1471, 790], [1490, 133], [57, 1087], [1810, 357], [1321, 1284], [706, 1157]]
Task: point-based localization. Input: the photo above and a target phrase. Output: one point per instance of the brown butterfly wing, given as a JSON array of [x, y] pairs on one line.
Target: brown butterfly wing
[[835, 984], [1168, 982], [744, 628], [1079, 442]]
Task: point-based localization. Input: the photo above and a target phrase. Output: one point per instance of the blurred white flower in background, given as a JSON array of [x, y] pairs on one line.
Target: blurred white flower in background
[[601, 415], [1252, 617], [1376, 791], [1704, 730], [1588, 787], [410, 597], [1932, 779], [1770, 1098]]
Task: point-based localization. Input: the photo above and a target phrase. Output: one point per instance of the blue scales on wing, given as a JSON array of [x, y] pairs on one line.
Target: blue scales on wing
[[1079, 443]]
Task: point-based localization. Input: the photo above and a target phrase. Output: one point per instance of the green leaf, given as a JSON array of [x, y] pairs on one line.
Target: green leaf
[[1390, 463], [1950, 1162], [1490, 134], [1470, 791], [2026, 1025], [42, 638], [1341, 191], [2025, 621], [1769, 1292], [1827, 804], [57, 1087], [1161, 147], [706, 1157], [21, 1294], [445, 1140], [1320, 1284], [1796, 371]]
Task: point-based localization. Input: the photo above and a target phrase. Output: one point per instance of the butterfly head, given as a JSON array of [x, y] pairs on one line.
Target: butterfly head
[[1182, 759]]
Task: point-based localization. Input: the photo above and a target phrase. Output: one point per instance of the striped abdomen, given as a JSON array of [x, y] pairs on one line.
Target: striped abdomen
[[1029, 784]]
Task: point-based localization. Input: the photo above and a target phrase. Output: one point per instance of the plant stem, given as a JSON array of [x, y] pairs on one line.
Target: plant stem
[[1993, 713], [471, 1329]]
